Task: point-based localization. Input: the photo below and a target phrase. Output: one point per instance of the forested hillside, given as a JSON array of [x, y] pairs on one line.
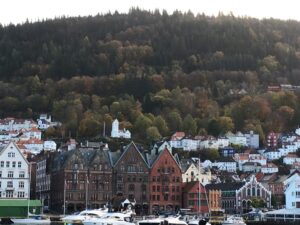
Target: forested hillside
[[157, 73]]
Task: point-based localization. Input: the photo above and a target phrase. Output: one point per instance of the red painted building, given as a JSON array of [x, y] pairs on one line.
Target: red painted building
[[272, 140], [165, 183], [190, 197]]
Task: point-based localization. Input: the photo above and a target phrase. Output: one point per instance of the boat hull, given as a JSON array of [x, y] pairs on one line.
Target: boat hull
[[31, 221]]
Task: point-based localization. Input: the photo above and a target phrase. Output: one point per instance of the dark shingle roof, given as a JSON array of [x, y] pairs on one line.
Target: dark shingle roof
[[225, 186]]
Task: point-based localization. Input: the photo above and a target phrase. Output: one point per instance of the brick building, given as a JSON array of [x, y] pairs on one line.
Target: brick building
[[131, 172], [165, 182], [85, 179], [190, 197]]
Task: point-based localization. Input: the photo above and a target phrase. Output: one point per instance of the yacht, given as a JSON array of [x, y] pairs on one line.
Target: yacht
[[83, 215], [162, 220], [234, 220], [111, 219], [32, 219]]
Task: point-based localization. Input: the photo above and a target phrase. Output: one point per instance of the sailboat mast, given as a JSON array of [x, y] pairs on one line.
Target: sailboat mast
[[199, 192], [28, 199]]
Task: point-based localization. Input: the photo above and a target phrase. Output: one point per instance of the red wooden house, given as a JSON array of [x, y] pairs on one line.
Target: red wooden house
[[165, 183]]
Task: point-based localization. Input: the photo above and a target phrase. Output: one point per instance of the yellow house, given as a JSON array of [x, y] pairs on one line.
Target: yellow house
[[190, 172]]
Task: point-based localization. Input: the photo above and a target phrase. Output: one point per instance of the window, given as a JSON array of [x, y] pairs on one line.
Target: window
[[258, 192], [9, 184], [10, 174], [21, 184], [122, 168], [13, 164], [143, 187], [7, 163], [0, 186], [120, 178], [2, 163], [248, 192], [11, 154], [19, 164], [0, 173], [21, 174], [131, 187], [166, 197], [153, 188], [9, 194], [130, 168]]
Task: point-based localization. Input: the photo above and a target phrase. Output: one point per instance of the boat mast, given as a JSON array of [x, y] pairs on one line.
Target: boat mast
[[28, 199], [199, 192], [64, 196]]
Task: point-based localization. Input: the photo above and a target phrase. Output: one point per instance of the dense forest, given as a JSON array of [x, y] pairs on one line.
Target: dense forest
[[156, 72]]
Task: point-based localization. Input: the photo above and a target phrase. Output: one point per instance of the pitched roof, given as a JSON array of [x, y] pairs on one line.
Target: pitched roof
[[185, 164], [232, 186], [269, 165], [131, 145], [177, 136]]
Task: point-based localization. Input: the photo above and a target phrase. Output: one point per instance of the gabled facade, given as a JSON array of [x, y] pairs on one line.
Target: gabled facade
[[165, 183], [100, 179], [131, 174], [85, 176], [292, 191], [14, 173], [190, 173], [250, 190]]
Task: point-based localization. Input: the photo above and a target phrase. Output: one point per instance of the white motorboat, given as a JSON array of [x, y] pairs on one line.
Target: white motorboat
[[160, 220], [234, 220], [111, 219], [32, 220], [83, 215]]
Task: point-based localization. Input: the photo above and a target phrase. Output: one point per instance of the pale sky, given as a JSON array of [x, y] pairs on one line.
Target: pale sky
[[17, 11]]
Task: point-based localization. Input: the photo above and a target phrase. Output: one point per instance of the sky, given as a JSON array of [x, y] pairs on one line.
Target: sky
[[18, 11]]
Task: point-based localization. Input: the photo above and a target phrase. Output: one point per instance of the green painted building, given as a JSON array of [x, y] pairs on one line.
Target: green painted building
[[16, 208]]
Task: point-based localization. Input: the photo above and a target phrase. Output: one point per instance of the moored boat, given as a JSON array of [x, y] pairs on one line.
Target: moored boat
[[162, 220], [83, 215], [32, 220], [234, 220]]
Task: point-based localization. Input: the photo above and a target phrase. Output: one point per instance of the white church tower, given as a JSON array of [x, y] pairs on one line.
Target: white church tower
[[117, 133], [115, 129]]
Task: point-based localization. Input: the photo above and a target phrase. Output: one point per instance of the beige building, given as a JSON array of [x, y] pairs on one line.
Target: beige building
[[190, 172]]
